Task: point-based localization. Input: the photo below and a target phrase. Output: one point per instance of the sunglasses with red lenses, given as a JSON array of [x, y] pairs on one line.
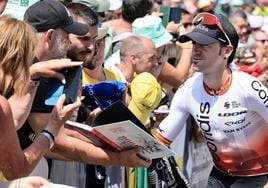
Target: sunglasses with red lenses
[[210, 19]]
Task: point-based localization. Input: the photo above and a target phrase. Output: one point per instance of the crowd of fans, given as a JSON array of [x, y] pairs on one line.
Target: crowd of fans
[[134, 51]]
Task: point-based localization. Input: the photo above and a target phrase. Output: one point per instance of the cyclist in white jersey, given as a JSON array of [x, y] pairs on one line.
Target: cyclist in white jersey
[[230, 107]]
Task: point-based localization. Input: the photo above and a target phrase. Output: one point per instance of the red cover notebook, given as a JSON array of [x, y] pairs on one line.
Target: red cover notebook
[[118, 129]]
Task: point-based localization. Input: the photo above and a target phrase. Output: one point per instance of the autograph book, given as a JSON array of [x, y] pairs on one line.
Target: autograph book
[[122, 134]]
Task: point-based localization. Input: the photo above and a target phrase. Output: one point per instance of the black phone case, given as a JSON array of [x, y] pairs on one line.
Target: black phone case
[[70, 89], [73, 82]]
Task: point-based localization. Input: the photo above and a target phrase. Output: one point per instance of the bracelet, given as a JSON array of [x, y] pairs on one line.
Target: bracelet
[[49, 136]]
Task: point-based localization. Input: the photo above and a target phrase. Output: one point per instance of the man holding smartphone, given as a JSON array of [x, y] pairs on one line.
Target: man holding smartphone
[[53, 27]]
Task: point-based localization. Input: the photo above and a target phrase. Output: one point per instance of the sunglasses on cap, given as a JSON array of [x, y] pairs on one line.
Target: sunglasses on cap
[[210, 19]]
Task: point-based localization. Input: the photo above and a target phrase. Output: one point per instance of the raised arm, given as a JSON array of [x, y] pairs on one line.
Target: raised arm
[[175, 76], [21, 104], [15, 163]]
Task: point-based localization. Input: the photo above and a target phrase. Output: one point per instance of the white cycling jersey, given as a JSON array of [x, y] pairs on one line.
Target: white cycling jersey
[[234, 123]]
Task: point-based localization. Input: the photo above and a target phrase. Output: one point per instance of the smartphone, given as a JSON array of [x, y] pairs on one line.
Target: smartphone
[[70, 88], [175, 14], [170, 14]]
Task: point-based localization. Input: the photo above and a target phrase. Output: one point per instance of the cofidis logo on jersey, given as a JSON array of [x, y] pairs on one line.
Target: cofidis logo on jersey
[[257, 86], [203, 122]]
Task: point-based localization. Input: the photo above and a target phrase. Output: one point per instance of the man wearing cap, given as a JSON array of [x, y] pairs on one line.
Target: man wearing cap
[[228, 106], [52, 28], [51, 14], [88, 48], [53, 23]]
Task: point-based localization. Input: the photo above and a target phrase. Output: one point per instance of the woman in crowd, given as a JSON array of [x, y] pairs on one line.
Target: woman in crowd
[[17, 44]]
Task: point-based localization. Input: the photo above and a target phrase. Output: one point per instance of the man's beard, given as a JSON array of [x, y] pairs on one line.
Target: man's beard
[[89, 62], [87, 58]]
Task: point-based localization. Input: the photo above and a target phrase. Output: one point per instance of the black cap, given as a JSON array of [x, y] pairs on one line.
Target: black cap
[[51, 14], [204, 35]]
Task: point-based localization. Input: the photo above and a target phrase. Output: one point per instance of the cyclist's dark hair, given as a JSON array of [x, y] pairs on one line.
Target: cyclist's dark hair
[[231, 33]]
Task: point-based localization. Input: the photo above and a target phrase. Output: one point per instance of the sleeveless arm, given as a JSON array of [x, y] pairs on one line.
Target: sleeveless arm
[[14, 162], [21, 105]]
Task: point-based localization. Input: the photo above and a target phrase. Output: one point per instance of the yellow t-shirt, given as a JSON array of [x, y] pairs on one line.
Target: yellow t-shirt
[[109, 75]]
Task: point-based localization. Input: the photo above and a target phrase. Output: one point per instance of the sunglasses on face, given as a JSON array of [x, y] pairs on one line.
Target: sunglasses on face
[[210, 19]]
